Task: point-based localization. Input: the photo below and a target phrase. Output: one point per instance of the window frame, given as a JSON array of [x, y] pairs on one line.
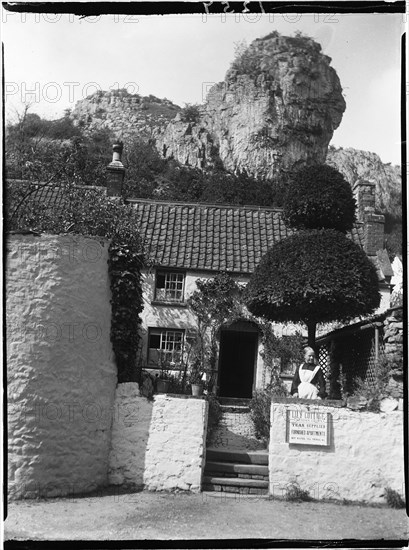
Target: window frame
[[171, 284], [164, 348]]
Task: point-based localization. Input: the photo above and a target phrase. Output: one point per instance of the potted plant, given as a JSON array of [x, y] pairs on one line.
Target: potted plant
[[196, 378], [163, 380]]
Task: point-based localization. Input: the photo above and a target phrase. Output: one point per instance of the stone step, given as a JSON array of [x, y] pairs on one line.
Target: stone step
[[230, 490], [246, 457], [234, 401], [235, 484], [239, 409], [234, 468]]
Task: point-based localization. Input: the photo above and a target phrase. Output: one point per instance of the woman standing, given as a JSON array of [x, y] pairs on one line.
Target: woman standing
[[308, 382]]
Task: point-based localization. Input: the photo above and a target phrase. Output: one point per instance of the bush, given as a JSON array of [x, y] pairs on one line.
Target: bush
[[393, 498], [316, 274], [370, 393], [294, 493], [190, 113], [215, 411], [318, 197], [260, 407]]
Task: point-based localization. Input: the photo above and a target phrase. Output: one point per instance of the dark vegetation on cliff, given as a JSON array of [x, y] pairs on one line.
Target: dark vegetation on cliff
[[42, 150]]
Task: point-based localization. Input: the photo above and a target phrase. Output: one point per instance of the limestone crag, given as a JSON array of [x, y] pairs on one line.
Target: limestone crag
[[276, 109], [355, 164], [124, 114]]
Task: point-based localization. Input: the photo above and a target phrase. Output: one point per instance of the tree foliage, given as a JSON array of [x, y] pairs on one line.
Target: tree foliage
[[315, 276], [317, 197]]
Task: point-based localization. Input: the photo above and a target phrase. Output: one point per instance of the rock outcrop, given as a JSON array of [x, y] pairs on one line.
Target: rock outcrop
[[276, 110], [355, 164], [124, 114]]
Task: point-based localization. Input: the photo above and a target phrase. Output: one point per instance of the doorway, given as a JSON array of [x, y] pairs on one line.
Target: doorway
[[237, 358]]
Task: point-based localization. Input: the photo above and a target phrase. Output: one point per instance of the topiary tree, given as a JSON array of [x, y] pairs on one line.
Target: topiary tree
[[315, 276], [317, 197]]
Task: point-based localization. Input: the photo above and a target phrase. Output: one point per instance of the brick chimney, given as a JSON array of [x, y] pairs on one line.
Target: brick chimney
[[364, 192], [116, 171]]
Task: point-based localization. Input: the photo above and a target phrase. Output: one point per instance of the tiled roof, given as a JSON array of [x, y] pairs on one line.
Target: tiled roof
[[201, 237], [211, 237]]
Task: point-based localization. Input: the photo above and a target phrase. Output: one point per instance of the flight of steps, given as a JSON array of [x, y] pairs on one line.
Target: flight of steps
[[236, 461]]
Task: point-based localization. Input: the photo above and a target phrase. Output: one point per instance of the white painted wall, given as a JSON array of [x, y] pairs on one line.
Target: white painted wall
[[365, 455], [61, 372], [160, 444]]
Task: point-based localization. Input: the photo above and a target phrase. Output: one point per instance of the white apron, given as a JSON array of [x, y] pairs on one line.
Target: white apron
[[306, 390]]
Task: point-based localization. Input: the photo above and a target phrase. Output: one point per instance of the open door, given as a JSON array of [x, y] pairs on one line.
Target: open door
[[238, 350]]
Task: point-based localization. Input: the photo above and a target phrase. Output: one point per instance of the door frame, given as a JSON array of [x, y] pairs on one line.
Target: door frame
[[241, 325]]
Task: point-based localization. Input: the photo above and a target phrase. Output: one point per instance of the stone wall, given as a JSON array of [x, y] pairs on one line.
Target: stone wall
[[130, 432], [365, 454], [393, 342], [157, 445], [61, 374]]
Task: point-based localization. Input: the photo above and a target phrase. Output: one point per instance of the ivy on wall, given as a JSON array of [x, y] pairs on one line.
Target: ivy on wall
[[124, 267]]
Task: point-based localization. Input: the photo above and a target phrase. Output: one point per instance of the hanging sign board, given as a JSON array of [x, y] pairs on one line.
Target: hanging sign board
[[307, 427]]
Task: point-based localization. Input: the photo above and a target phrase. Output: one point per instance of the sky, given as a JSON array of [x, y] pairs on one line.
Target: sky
[[52, 61]]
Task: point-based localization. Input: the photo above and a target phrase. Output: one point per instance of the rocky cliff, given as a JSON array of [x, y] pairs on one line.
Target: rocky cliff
[[276, 109], [124, 114], [355, 164]]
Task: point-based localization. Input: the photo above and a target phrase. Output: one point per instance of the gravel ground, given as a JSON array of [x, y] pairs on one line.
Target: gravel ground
[[158, 516]]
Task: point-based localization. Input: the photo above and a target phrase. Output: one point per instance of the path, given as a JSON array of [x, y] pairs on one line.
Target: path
[[145, 515]]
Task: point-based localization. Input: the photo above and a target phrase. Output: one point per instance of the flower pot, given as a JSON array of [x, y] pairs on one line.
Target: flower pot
[[162, 386], [197, 390]]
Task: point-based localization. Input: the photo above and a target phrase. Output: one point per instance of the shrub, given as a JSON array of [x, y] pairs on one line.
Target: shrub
[[314, 276], [260, 406], [317, 197], [294, 493], [215, 411], [393, 498], [190, 113], [373, 393]]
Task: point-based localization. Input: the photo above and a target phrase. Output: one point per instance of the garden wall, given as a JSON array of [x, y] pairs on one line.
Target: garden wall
[[364, 456], [61, 374], [393, 342], [159, 444]]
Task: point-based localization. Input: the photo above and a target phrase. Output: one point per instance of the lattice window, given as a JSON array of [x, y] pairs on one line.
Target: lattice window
[[324, 359], [165, 348], [169, 286], [357, 354]]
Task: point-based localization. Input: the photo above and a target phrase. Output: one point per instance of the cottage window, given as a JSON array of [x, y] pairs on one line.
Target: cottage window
[[169, 286], [165, 348]]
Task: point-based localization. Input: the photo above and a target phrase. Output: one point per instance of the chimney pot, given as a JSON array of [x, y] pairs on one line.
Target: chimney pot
[[116, 171]]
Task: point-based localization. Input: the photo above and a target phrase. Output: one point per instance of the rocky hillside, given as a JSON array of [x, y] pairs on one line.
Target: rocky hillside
[[123, 113], [355, 164], [276, 109]]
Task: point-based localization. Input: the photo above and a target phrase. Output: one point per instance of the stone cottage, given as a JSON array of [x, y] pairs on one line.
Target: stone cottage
[[187, 242]]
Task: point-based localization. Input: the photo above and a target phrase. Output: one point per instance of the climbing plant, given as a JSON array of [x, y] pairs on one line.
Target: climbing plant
[[124, 265]]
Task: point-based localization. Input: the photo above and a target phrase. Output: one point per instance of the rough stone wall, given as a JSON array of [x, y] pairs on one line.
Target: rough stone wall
[[365, 455], [160, 444], [130, 432], [60, 367], [393, 342], [176, 446]]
